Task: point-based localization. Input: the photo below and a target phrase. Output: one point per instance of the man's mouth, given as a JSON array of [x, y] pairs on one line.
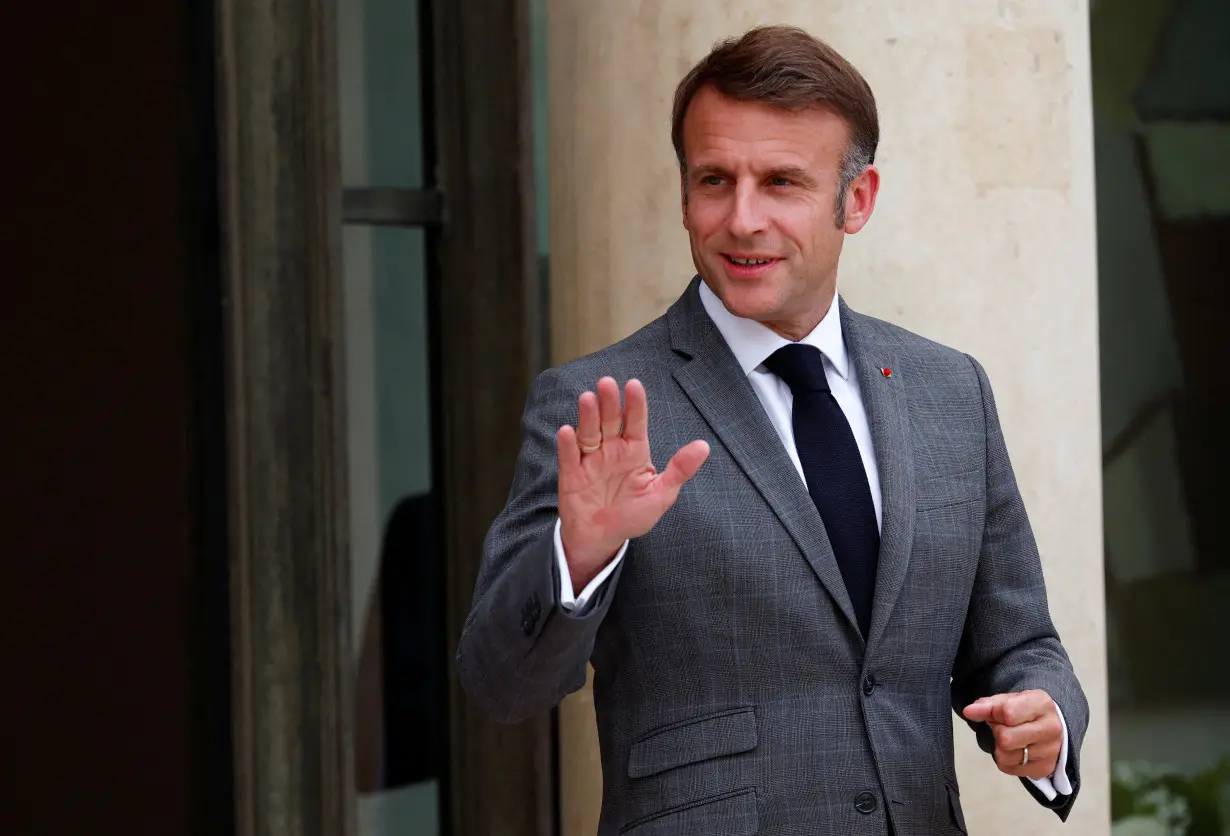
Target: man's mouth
[[749, 266]]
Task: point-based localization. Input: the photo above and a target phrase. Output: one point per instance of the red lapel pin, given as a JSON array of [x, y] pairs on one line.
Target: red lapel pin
[[886, 371]]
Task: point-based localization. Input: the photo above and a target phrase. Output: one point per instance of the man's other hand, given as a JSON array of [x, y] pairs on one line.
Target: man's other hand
[[1028, 718]]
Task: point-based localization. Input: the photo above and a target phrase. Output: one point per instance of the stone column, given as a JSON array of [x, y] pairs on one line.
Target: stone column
[[983, 239]]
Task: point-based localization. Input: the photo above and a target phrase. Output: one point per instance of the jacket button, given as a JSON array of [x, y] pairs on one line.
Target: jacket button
[[869, 685], [530, 613], [865, 803]]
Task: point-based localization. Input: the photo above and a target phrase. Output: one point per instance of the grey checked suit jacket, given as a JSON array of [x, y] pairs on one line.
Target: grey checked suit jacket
[[734, 692]]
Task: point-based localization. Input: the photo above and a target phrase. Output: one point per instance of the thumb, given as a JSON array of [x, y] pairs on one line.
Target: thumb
[[684, 464], [986, 709]]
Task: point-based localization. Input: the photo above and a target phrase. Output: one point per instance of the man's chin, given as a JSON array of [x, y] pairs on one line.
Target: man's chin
[[748, 301]]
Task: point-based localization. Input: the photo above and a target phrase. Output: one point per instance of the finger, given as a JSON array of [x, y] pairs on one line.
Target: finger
[[1025, 707], [636, 412], [610, 408], [983, 709], [1042, 761], [589, 428], [1009, 709], [1044, 730], [684, 464], [567, 450]]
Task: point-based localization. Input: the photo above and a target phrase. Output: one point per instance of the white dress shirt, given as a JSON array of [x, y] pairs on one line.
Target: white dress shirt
[[752, 344]]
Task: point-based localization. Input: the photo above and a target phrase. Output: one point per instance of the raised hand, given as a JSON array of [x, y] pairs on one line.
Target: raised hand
[[609, 491]]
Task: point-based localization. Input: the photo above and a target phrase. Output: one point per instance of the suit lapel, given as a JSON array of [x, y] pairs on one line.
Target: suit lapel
[[888, 414], [722, 394]]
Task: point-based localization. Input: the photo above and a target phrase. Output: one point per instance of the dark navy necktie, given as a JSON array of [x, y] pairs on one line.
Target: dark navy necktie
[[836, 478]]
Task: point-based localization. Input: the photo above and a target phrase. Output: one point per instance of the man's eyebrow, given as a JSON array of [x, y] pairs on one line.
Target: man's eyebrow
[[792, 173], [788, 172]]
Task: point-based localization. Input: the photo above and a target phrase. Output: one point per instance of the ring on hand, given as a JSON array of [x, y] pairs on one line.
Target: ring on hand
[[1025, 756], [587, 449]]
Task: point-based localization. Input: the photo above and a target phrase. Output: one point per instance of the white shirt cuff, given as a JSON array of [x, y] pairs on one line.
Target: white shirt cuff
[[1058, 783], [575, 604]]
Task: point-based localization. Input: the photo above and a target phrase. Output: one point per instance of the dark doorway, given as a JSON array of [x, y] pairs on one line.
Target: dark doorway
[[119, 632]]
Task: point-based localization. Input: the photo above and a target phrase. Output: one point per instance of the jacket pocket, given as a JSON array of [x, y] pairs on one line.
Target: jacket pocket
[[732, 814], [698, 739], [947, 490], [954, 808]]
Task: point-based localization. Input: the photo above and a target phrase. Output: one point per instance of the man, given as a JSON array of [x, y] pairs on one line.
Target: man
[[782, 614]]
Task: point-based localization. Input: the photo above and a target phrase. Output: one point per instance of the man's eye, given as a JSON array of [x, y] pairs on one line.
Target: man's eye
[[711, 180], [780, 181]]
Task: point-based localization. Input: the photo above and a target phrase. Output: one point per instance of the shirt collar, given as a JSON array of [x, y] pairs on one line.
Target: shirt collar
[[753, 343]]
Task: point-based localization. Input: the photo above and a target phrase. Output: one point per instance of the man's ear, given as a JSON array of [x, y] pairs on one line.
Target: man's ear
[[683, 194], [861, 199]]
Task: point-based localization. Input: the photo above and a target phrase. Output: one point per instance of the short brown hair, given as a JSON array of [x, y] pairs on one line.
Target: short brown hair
[[784, 66]]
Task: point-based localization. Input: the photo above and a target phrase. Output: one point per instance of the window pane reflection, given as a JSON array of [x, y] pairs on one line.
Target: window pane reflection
[[398, 583], [381, 93]]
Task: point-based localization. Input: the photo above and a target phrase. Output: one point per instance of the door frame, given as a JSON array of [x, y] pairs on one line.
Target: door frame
[[282, 210], [492, 319], [279, 182]]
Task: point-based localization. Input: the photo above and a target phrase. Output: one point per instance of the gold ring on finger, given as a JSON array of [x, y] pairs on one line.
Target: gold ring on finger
[[590, 448]]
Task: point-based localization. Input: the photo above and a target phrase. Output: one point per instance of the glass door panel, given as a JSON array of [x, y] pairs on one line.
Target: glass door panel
[[398, 582]]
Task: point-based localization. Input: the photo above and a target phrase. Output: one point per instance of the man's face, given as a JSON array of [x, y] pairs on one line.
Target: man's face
[[759, 204]]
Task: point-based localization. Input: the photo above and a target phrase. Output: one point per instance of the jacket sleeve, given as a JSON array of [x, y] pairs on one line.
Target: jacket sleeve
[[520, 652], [1009, 643]]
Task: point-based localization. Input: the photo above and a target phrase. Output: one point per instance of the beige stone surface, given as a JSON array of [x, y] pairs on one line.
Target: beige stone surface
[[983, 238]]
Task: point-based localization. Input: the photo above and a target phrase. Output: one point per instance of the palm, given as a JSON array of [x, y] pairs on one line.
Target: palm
[[609, 491], [617, 488]]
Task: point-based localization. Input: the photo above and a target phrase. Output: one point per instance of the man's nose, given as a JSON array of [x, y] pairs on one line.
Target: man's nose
[[747, 216]]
